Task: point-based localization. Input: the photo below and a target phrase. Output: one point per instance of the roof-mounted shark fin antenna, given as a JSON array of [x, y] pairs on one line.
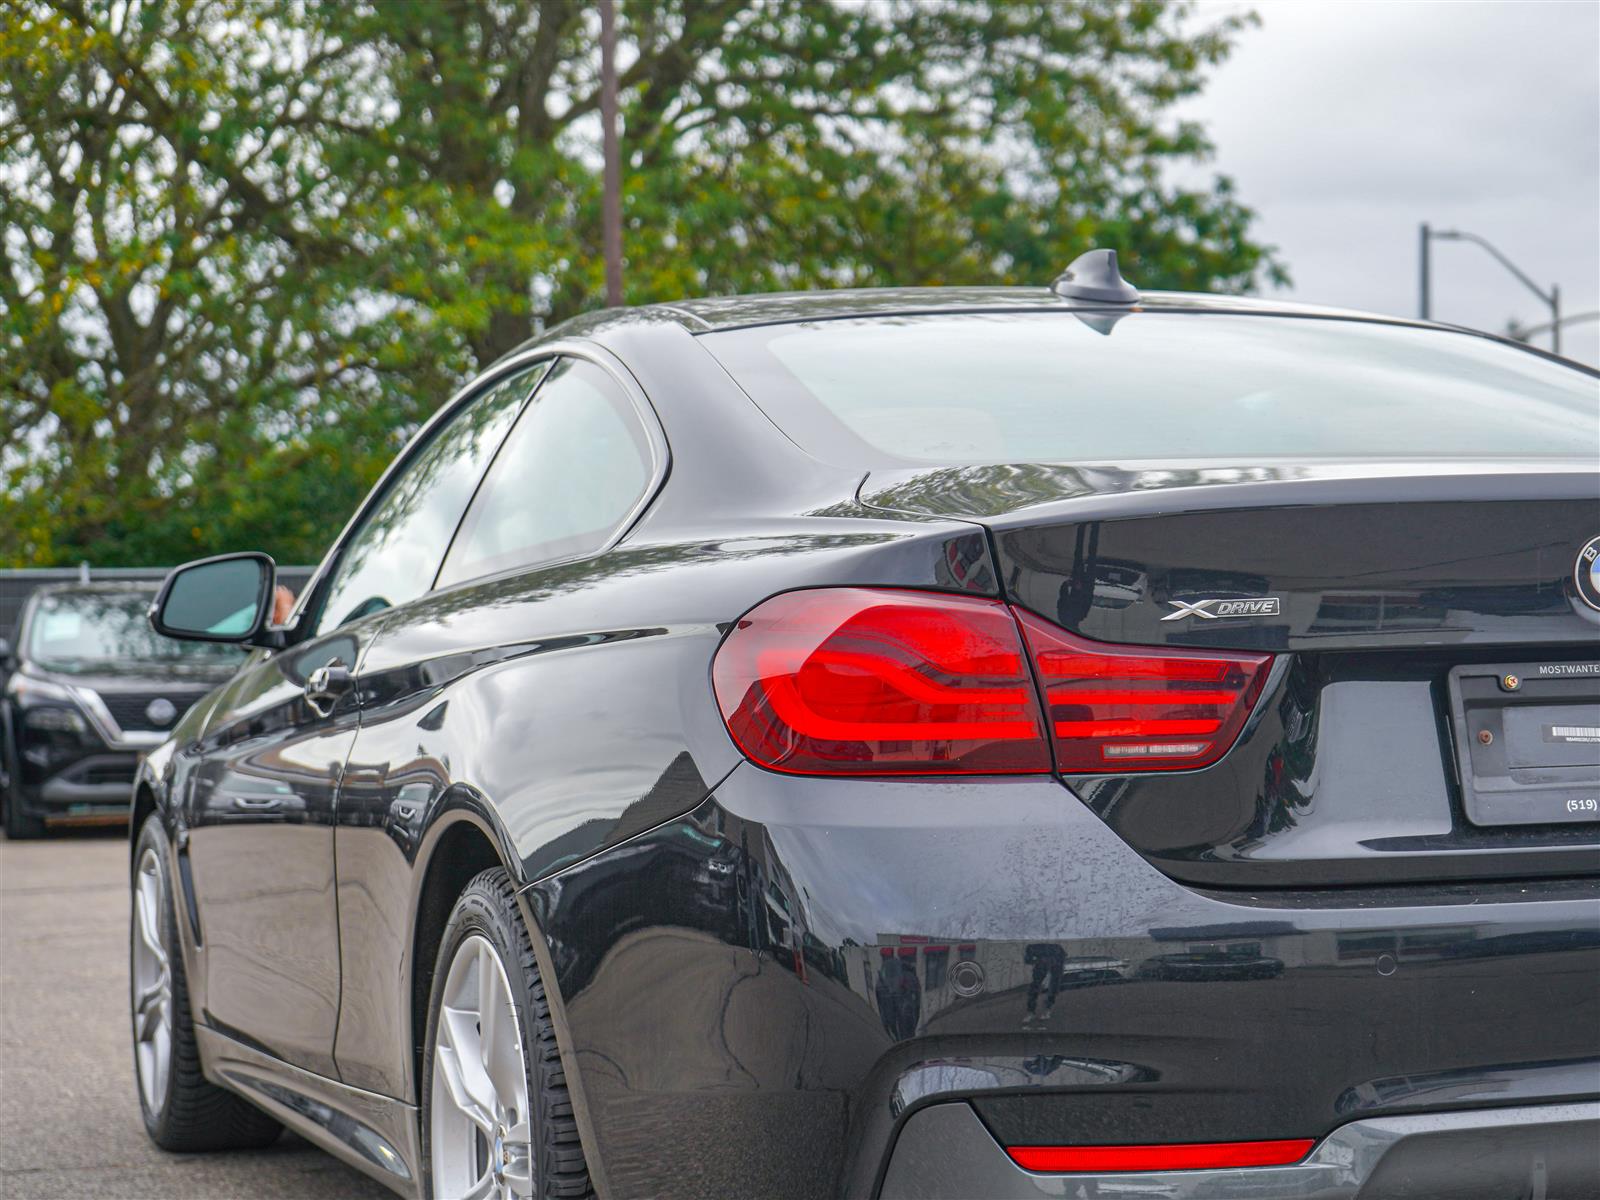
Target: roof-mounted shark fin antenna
[[1094, 276]]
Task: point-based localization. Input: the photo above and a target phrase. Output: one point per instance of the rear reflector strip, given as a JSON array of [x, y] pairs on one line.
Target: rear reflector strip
[[1193, 1156]]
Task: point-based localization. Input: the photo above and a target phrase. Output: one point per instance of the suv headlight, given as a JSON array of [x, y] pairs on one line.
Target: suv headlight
[[27, 689]]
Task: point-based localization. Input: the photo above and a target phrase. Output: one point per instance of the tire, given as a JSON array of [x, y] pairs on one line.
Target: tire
[[544, 1134], [183, 1111], [19, 826]]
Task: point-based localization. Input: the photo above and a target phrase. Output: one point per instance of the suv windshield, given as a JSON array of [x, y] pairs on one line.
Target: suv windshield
[[1059, 387], [80, 631]]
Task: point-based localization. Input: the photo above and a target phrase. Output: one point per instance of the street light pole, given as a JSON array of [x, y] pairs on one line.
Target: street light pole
[[1552, 299], [611, 183], [1422, 273], [1533, 331]]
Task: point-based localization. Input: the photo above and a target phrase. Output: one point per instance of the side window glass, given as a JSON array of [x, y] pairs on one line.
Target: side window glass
[[568, 475], [395, 554]]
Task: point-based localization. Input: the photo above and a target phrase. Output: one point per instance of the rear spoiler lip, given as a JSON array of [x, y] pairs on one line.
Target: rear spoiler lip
[[1152, 492]]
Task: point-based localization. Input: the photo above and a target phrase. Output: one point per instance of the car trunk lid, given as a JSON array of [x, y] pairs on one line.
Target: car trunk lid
[[1394, 600]]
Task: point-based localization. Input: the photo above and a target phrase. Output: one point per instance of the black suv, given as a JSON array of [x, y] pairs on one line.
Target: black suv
[[90, 689]]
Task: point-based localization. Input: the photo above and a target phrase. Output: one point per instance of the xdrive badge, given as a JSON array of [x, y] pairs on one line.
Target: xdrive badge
[[1211, 610]]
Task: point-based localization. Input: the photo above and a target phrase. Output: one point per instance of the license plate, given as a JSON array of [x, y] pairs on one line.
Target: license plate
[[1528, 741]]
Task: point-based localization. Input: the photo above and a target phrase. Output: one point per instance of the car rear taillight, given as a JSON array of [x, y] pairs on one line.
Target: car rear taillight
[[1122, 708], [1190, 1156], [857, 681]]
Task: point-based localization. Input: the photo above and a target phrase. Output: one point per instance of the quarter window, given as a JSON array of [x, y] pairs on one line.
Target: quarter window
[[568, 475], [395, 554]]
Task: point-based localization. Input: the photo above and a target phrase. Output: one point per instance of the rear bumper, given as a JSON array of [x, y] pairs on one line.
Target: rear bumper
[[760, 997], [1547, 1151]]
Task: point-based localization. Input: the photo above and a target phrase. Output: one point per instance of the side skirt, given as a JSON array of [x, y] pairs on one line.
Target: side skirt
[[375, 1134]]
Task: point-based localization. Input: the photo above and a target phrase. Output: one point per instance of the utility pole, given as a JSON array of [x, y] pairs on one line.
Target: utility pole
[[611, 183]]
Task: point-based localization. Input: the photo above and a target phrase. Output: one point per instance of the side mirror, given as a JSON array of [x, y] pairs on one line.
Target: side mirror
[[5, 654], [222, 599]]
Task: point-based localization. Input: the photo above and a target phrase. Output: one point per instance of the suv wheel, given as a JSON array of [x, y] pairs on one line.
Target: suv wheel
[[497, 1121], [182, 1109]]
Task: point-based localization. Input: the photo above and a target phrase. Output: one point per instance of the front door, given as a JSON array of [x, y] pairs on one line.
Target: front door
[[262, 798], [259, 806]]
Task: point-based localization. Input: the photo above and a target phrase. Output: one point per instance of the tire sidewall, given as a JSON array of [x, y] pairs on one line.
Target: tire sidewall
[[482, 910], [153, 837]]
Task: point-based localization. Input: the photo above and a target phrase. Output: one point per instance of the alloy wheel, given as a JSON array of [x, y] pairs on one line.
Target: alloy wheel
[[480, 1144], [151, 979]]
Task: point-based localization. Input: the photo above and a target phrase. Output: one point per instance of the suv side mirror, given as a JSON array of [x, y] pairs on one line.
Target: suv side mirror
[[5, 654], [223, 599]]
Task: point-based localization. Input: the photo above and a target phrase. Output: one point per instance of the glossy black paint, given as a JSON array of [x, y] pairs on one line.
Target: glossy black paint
[[746, 970], [727, 984], [1343, 777], [254, 796], [1386, 579], [1358, 563]]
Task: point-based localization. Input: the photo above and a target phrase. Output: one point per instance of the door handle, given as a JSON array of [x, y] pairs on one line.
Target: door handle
[[326, 684]]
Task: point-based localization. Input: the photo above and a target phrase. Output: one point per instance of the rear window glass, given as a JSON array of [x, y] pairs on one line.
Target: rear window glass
[[974, 388]]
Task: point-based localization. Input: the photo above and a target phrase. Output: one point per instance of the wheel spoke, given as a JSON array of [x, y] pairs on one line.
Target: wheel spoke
[[457, 1059], [488, 1004], [499, 1042], [151, 1008], [149, 908], [151, 979], [480, 1083]]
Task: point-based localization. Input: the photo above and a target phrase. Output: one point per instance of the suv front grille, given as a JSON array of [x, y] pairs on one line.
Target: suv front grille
[[128, 708]]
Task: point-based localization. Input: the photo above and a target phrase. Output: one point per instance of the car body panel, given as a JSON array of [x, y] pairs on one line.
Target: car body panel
[[254, 796], [1342, 557], [752, 976], [706, 1028], [580, 733]]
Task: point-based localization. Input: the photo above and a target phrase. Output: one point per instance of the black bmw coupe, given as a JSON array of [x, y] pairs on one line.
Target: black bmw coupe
[[935, 743]]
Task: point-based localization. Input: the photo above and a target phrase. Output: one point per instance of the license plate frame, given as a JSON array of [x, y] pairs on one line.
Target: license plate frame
[[1496, 788]]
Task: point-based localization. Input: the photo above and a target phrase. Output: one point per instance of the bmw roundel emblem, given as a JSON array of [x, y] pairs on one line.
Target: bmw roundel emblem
[[160, 711], [1587, 573]]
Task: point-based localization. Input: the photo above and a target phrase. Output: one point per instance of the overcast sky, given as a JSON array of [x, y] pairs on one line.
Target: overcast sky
[[1346, 123]]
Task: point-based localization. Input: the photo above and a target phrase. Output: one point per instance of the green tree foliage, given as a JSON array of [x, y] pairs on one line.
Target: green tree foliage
[[248, 245]]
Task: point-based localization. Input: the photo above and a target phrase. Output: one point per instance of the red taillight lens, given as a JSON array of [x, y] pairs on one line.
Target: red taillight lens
[[855, 681], [1121, 708], [1193, 1156]]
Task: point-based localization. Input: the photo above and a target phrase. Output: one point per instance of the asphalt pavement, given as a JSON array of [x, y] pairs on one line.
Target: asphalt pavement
[[69, 1115]]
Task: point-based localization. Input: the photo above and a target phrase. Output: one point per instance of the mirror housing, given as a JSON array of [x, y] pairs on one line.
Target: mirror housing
[[227, 598], [5, 654]]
